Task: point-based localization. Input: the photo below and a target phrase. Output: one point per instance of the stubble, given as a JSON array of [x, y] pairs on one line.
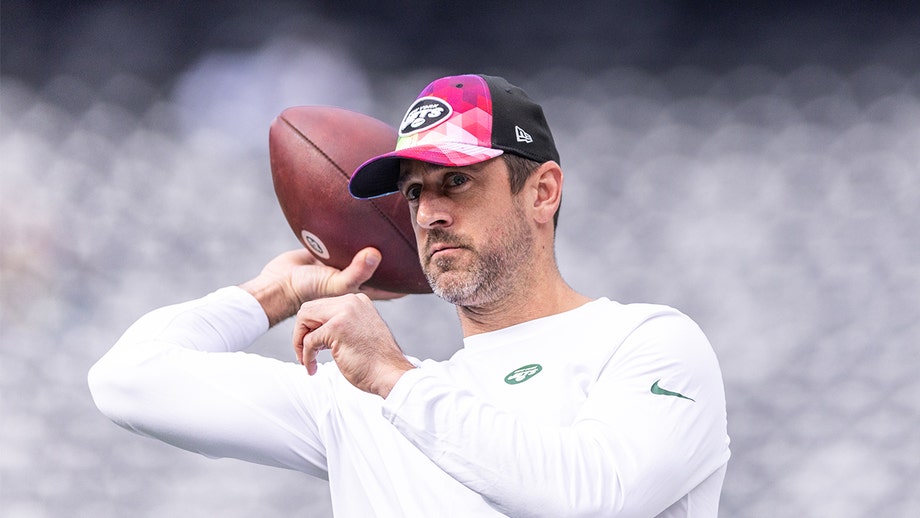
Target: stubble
[[494, 271]]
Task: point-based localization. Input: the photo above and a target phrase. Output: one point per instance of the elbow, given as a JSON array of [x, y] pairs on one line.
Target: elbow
[[102, 386], [109, 386]]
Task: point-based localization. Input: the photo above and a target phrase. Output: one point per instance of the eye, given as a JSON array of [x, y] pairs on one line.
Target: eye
[[455, 180], [412, 192]]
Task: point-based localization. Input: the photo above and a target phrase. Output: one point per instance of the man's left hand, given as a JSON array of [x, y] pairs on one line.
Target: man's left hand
[[360, 341]]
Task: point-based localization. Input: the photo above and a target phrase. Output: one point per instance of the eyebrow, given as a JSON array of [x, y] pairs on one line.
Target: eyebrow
[[429, 167], [404, 172], [402, 179]]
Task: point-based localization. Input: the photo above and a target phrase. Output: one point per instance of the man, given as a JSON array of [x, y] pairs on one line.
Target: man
[[557, 405]]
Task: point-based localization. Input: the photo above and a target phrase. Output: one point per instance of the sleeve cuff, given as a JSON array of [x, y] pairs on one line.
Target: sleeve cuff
[[399, 395]]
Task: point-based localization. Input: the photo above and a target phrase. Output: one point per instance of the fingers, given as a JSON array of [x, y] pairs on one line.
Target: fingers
[[362, 267], [313, 343], [310, 336], [307, 345], [304, 338], [361, 344], [300, 332]]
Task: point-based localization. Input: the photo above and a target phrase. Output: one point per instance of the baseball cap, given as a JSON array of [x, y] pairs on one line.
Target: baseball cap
[[458, 121]]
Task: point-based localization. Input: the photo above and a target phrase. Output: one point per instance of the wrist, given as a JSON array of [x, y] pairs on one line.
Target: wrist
[[277, 302], [385, 383]]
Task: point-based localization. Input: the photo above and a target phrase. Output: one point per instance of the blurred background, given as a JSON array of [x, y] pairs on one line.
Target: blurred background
[[756, 166]]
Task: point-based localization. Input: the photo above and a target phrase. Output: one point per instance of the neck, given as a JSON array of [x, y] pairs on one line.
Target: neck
[[534, 298]]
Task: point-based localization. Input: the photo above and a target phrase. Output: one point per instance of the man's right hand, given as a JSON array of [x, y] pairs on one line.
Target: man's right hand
[[297, 276]]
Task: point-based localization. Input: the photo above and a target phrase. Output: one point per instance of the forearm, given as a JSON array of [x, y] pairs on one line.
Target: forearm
[[224, 321], [178, 375], [520, 470], [594, 467]]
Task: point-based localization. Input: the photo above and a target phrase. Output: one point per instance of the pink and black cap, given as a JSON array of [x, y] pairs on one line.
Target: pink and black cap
[[458, 121]]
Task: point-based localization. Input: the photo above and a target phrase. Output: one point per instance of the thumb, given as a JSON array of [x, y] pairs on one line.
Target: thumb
[[362, 267]]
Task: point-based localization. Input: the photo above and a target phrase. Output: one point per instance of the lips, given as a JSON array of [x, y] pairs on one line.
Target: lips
[[440, 240], [441, 247]]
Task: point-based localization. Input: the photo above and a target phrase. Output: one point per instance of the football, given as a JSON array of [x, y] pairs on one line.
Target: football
[[313, 151]]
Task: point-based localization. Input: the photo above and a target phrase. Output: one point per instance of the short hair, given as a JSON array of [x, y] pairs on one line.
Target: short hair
[[519, 170]]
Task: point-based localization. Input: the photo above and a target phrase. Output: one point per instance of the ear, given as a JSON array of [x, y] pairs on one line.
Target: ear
[[547, 184]]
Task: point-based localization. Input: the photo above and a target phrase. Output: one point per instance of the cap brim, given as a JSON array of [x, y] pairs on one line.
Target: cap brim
[[379, 175]]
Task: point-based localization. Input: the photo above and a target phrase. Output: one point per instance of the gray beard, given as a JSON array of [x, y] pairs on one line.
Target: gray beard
[[493, 274]]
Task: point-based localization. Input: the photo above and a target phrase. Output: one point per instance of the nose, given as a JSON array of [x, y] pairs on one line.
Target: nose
[[433, 210]]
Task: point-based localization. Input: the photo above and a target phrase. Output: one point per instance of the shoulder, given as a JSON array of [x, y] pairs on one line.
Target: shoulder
[[642, 332], [618, 319], [631, 309], [666, 344]]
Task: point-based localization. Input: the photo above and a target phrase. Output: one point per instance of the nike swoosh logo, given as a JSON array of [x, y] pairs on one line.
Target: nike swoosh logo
[[663, 392]]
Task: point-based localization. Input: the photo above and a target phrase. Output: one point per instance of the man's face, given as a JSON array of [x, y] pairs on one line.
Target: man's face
[[473, 236]]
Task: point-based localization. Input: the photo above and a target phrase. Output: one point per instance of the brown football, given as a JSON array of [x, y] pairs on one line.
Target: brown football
[[313, 152]]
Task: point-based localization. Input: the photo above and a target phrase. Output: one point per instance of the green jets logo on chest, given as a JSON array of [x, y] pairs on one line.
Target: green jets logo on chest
[[522, 374]]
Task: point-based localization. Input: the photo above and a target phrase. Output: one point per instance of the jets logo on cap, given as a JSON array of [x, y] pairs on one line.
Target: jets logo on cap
[[425, 113]]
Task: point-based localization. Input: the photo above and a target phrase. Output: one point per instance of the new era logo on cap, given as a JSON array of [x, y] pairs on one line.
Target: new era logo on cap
[[522, 136], [460, 121]]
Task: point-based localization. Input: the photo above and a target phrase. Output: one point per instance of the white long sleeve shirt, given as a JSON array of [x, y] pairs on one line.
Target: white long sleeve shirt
[[605, 410]]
